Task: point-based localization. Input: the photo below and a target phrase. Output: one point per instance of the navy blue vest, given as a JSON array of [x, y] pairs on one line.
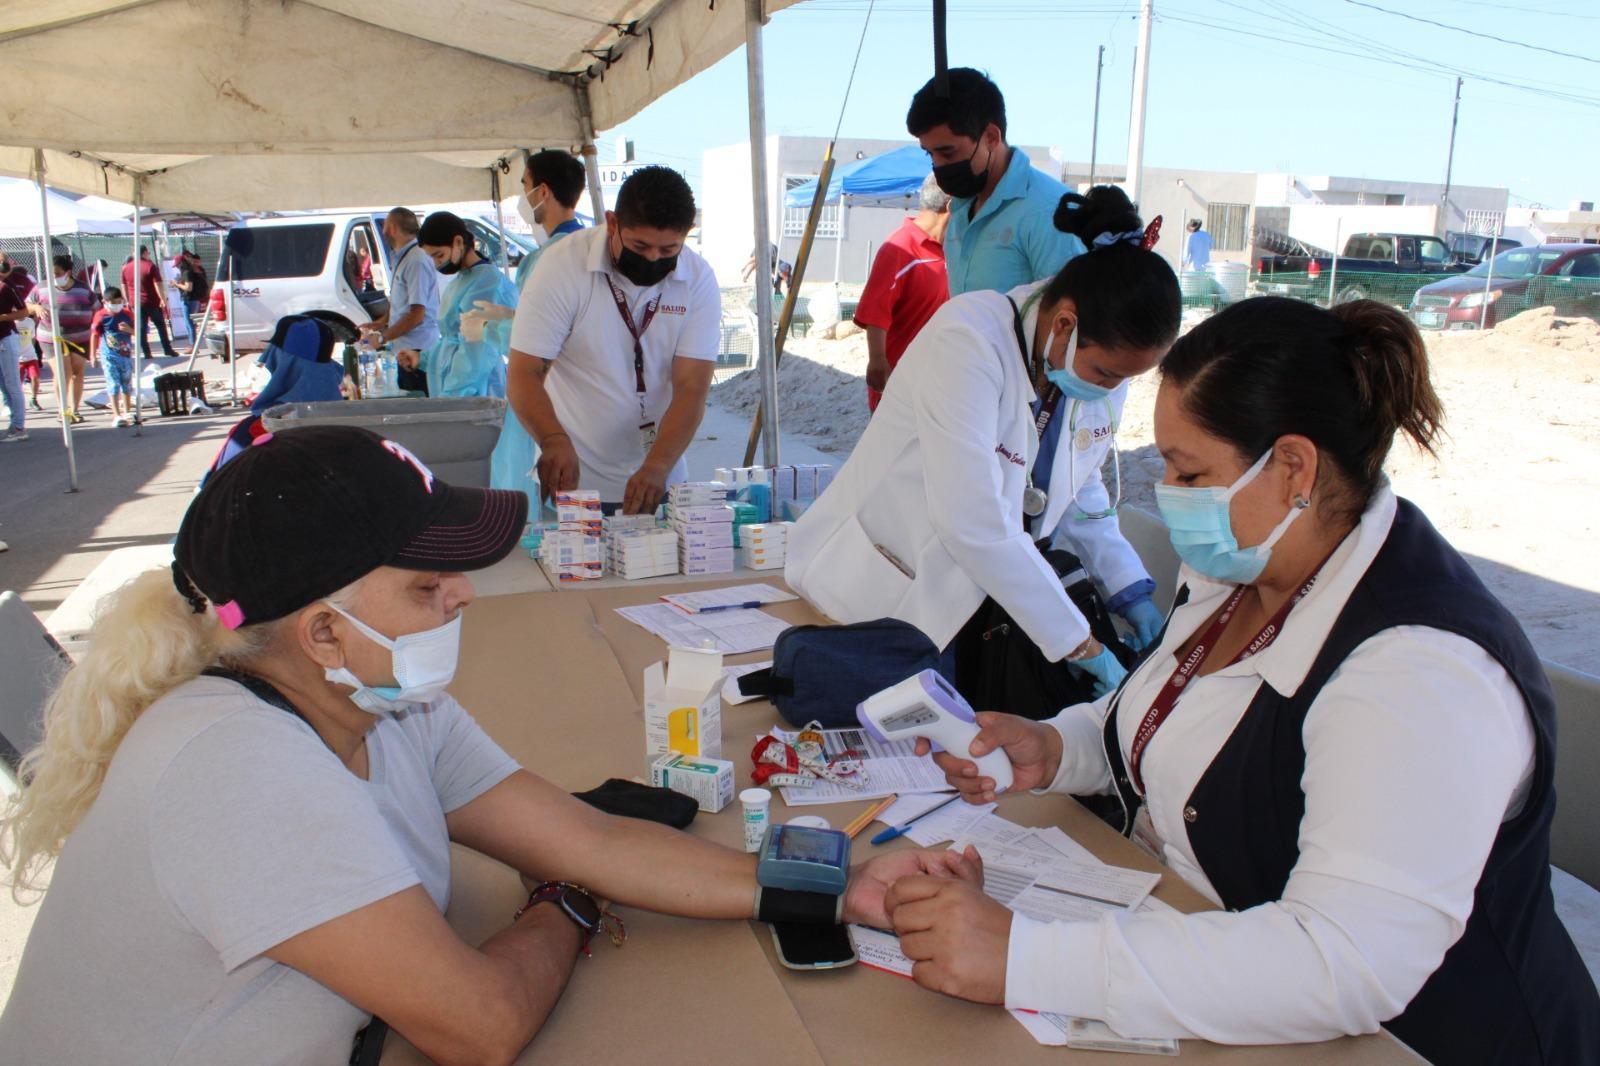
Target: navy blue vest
[[1513, 990]]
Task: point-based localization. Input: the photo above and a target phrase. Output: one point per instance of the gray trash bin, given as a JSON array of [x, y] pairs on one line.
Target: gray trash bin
[[453, 436]]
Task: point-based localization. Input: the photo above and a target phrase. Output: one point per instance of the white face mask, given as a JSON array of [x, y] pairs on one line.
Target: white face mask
[[424, 663], [530, 215], [64, 281], [115, 308]]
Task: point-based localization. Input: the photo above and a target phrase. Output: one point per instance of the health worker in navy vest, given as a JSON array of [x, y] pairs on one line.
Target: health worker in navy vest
[[251, 784], [1341, 738]]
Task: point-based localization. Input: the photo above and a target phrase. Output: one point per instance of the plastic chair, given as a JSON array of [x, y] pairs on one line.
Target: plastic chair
[[1575, 835], [32, 663]]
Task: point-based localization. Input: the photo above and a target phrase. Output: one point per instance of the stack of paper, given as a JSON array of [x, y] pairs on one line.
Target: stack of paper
[[731, 632]]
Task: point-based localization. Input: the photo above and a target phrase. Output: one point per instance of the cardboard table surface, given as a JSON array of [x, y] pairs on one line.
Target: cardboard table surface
[[557, 681]]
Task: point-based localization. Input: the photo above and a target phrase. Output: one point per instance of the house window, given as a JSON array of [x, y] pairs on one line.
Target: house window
[[794, 218], [1228, 224]]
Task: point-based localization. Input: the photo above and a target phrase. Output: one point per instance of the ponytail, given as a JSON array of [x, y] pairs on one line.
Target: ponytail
[[1347, 379], [1126, 295], [146, 643]]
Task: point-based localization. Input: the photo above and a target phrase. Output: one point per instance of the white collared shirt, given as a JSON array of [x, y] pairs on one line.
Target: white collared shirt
[[1417, 749], [566, 313]]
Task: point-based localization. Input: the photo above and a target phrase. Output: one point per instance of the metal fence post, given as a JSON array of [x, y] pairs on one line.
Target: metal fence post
[[1483, 313], [1333, 274]]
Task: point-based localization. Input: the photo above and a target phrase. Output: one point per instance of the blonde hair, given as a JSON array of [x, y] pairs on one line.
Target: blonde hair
[[146, 642]]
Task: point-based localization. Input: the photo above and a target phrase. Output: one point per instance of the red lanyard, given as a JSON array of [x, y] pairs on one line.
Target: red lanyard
[[635, 331], [1162, 706]]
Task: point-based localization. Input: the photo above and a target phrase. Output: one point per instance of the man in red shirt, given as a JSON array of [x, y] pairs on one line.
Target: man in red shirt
[[907, 285], [153, 302]]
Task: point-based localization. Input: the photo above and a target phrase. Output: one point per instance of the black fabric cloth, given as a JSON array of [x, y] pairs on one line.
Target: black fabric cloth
[[998, 667], [633, 800], [1513, 990]]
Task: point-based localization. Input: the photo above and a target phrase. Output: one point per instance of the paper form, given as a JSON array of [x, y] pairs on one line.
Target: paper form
[[694, 602], [731, 693], [880, 950], [730, 632]]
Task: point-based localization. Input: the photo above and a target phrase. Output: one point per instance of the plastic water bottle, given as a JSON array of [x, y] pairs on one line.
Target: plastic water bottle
[[391, 374], [368, 363]]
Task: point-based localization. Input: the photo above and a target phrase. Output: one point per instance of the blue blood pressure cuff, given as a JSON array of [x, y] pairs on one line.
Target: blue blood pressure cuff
[[801, 875]]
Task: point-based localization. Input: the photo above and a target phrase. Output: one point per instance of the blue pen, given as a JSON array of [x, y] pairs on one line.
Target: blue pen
[[729, 607], [900, 830]]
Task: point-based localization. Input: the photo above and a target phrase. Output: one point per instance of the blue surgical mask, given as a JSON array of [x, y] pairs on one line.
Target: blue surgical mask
[[1066, 379], [1200, 524]]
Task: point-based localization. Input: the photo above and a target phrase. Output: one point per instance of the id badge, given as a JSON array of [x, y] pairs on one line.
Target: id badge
[[647, 436], [1144, 833]]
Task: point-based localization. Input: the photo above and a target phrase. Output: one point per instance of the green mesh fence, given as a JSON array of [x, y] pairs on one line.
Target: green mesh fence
[[1459, 306]]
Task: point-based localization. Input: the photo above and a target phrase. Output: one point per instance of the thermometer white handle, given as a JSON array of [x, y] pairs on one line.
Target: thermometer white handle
[[926, 706]]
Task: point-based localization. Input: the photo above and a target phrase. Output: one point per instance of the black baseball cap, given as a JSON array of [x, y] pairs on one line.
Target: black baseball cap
[[303, 513]]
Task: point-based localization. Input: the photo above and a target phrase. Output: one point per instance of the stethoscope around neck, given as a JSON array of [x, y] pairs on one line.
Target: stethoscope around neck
[[1035, 501]]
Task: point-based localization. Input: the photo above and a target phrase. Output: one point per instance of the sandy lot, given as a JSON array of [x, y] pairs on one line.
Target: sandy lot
[[1514, 486]]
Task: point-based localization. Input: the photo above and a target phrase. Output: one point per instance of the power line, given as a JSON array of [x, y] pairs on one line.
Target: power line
[[1474, 33]]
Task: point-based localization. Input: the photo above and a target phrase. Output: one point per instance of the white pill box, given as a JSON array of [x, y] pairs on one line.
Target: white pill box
[[682, 518], [766, 533], [781, 478], [751, 559], [709, 782], [697, 494], [706, 537]]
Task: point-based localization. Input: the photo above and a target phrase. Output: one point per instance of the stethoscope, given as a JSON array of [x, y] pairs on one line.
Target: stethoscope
[[1035, 501]]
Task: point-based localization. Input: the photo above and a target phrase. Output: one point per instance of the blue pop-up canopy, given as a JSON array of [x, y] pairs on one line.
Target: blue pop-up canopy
[[890, 179]]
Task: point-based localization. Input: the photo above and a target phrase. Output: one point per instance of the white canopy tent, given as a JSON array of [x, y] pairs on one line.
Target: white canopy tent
[[302, 104], [19, 214]]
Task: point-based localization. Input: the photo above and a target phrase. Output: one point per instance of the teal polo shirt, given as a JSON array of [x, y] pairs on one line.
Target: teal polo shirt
[[1013, 240]]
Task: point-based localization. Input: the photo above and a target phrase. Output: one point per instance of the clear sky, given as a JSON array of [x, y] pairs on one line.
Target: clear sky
[[1313, 86]]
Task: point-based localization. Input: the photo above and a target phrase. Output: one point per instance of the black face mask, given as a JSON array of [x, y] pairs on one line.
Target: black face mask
[[644, 272], [453, 266], [959, 180]]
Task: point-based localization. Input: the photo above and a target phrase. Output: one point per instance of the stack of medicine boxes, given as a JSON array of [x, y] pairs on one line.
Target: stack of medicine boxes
[[574, 550], [637, 546], [764, 546], [800, 485], [698, 512]]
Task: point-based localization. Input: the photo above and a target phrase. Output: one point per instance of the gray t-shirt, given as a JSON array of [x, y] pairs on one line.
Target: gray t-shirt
[[225, 827]]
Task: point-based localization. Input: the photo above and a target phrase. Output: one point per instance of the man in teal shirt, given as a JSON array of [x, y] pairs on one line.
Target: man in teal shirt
[[1001, 232]]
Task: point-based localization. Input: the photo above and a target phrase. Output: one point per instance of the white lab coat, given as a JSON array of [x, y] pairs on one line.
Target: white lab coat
[[936, 483], [1098, 542]]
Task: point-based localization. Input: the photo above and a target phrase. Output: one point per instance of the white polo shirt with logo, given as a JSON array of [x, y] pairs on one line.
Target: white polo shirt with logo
[[567, 314]]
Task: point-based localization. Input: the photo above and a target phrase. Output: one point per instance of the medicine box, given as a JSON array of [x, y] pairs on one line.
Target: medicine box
[[805, 482], [700, 515], [758, 560], [709, 782], [707, 537], [781, 478], [683, 704], [824, 477]]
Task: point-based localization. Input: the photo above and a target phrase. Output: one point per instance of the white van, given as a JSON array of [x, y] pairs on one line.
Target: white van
[[290, 264]]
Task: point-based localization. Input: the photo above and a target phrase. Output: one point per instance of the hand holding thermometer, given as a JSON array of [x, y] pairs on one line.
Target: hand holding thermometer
[[924, 705]]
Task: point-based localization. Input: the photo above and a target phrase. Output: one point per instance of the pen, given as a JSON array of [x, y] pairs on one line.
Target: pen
[[899, 830], [728, 607]]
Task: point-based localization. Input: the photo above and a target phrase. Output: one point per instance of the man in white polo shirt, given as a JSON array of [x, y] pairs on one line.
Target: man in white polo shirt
[[613, 346]]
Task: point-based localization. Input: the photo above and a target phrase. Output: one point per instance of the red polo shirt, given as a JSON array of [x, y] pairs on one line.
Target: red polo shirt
[[149, 281], [907, 285]]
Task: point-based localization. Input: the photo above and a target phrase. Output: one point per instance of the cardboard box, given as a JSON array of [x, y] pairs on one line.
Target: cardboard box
[[683, 704], [719, 514], [752, 560], [824, 477], [709, 782]]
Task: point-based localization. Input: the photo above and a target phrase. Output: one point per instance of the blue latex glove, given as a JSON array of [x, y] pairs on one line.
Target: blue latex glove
[[1146, 621], [1104, 668]]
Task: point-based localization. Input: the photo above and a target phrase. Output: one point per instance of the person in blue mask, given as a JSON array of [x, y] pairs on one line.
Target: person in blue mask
[[469, 358], [990, 435], [1343, 739]]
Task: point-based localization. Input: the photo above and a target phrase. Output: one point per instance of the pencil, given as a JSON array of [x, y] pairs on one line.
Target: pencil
[[865, 819]]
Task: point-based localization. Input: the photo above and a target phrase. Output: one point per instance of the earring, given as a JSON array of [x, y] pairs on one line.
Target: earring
[[1301, 502]]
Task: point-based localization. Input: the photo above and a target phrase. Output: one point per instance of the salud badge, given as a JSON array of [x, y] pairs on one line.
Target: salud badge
[[647, 436]]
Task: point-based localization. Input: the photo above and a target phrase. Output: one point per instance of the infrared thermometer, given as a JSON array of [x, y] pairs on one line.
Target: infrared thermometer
[[924, 705]]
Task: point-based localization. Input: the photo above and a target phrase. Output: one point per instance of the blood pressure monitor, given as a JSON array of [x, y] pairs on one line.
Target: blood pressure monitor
[[802, 874]]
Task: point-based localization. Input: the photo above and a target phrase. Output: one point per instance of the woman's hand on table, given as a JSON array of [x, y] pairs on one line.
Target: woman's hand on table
[[864, 896], [1033, 748], [956, 937]]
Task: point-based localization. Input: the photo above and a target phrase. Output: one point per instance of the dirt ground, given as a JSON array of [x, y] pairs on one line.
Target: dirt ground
[[1513, 487]]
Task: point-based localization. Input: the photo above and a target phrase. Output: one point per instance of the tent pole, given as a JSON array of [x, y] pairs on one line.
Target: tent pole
[[139, 324], [591, 154], [766, 352], [49, 285], [838, 241], [499, 218]]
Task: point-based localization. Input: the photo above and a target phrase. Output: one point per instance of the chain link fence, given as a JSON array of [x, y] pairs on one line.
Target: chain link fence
[[87, 248]]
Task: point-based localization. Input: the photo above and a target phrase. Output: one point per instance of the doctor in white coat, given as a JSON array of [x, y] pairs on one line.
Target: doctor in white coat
[[941, 502]]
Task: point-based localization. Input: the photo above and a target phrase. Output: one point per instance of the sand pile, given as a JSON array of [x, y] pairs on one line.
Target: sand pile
[[1541, 325], [822, 387]]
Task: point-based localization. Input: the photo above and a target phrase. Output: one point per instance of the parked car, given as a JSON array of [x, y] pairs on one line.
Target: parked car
[[291, 264], [1474, 248], [1565, 276], [1373, 265]]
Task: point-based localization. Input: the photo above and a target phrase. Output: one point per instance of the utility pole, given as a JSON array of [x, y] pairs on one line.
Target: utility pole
[[1094, 133], [1141, 86], [1449, 164]]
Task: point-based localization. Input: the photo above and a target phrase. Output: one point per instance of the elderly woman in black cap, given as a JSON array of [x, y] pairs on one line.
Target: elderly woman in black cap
[[251, 784]]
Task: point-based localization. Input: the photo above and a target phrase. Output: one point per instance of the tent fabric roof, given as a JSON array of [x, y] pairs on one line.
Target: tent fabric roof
[[298, 104], [19, 214], [890, 179]]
